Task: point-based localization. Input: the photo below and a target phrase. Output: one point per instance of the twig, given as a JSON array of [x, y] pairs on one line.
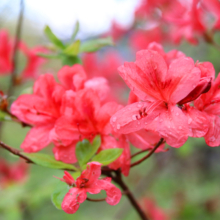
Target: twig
[[149, 154], [95, 200], [15, 54], [208, 37], [14, 118], [15, 152], [129, 195], [139, 152]]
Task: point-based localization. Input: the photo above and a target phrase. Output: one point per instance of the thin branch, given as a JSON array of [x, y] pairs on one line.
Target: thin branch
[[139, 152], [129, 195], [149, 154], [15, 152], [14, 118], [208, 37], [95, 200], [15, 49]]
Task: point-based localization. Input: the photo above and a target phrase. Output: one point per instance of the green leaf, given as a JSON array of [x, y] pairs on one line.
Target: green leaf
[[72, 49], [70, 60], [53, 38], [85, 150], [95, 44], [58, 194], [106, 157], [4, 116], [49, 56], [48, 161], [76, 30]]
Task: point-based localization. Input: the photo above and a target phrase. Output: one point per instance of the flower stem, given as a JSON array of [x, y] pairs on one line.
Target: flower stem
[[149, 154], [15, 50], [15, 152], [130, 196]]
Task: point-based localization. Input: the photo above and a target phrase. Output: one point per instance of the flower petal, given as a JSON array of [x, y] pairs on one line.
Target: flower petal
[[112, 192], [65, 154], [144, 139], [173, 127], [212, 138], [72, 200], [135, 116], [92, 173], [37, 138], [197, 121], [72, 77], [184, 78]]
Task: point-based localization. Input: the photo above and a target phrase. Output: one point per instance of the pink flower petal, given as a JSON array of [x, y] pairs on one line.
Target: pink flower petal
[[135, 116], [92, 173], [173, 127], [112, 192], [144, 139], [197, 121], [72, 77], [99, 85], [184, 78], [212, 137], [72, 200], [65, 154], [37, 138]]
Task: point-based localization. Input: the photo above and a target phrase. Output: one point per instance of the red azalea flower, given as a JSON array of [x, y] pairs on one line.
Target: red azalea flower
[[154, 212], [12, 173], [34, 61], [161, 87], [84, 116], [106, 67], [209, 105], [5, 53], [88, 182], [140, 39]]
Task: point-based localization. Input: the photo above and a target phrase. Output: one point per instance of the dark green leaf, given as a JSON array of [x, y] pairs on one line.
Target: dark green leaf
[[106, 157], [76, 30], [85, 150], [58, 195], [72, 49], [70, 60], [48, 161], [95, 44], [53, 38]]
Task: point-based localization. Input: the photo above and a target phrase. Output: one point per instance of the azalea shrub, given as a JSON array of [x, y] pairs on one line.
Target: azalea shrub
[[97, 117]]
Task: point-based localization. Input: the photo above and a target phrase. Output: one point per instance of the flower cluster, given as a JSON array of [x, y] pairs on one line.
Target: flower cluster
[[89, 182], [67, 112], [181, 19], [12, 173], [165, 86], [6, 53], [170, 21]]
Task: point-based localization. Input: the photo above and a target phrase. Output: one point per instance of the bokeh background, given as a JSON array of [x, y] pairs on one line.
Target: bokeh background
[[184, 182]]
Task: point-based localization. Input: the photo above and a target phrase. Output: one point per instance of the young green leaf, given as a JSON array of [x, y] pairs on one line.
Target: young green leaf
[[76, 30], [85, 150], [48, 161], [49, 56], [95, 44], [72, 49], [70, 60], [53, 38], [58, 194], [106, 157]]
